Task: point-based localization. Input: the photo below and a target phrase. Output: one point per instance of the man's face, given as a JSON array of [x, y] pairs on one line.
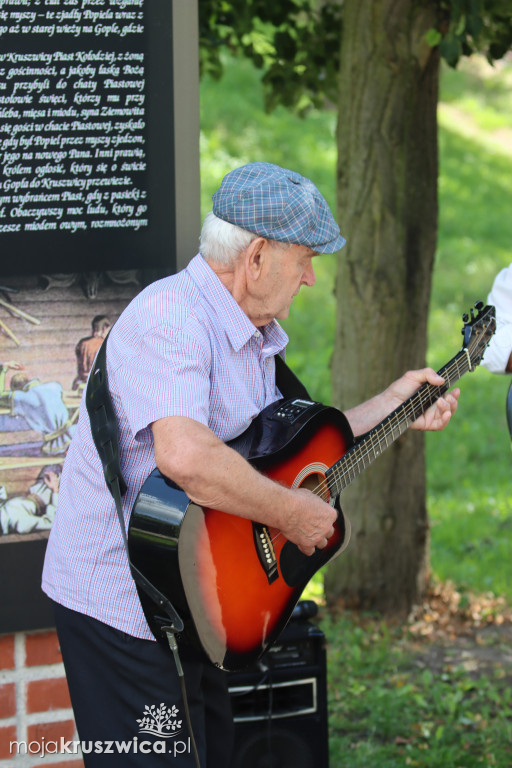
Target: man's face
[[286, 270]]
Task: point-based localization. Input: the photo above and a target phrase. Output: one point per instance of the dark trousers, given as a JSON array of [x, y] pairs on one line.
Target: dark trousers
[[124, 689]]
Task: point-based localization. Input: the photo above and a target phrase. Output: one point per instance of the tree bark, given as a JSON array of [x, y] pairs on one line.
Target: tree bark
[[387, 208]]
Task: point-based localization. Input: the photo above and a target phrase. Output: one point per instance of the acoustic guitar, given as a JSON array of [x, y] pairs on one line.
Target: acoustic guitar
[[235, 582]]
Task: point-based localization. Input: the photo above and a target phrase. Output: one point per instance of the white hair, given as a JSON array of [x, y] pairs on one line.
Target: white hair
[[222, 242]]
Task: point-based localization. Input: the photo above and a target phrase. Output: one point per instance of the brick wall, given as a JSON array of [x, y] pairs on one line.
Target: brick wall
[[34, 701]]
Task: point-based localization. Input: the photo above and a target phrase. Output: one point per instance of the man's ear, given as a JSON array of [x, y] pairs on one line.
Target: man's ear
[[255, 256]]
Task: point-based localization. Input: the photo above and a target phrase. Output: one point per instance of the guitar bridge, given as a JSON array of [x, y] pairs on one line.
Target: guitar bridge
[[265, 550]]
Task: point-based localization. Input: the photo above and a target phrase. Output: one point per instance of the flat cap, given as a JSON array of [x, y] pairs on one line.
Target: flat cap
[[282, 205]]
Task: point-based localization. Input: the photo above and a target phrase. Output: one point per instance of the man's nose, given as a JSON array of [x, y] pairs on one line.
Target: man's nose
[[309, 277]]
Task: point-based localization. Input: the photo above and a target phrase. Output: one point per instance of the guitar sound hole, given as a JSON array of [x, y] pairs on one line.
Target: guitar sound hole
[[297, 568], [316, 483]]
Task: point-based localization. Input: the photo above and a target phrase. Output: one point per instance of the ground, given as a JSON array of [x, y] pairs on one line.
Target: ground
[[453, 630]]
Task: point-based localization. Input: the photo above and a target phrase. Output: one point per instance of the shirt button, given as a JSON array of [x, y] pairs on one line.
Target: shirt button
[[257, 334]]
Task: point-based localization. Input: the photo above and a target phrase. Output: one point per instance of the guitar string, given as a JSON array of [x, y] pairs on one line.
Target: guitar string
[[425, 396], [406, 413]]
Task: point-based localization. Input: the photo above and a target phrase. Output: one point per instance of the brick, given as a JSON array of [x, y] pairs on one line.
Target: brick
[[7, 700], [42, 648], [7, 652], [43, 695], [51, 731], [7, 735]]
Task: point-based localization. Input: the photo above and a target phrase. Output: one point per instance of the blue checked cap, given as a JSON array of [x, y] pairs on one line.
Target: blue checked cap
[[279, 204]]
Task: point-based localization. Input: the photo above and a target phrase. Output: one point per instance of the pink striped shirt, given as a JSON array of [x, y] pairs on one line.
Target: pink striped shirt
[[182, 347]]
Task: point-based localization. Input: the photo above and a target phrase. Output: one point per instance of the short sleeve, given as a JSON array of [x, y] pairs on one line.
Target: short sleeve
[[168, 375], [498, 352]]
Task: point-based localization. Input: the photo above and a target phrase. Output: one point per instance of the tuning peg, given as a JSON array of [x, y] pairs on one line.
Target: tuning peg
[[465, 317], [479, 305]]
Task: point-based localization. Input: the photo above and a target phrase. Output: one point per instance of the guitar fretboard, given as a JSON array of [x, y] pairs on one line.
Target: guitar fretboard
[[370, 445]]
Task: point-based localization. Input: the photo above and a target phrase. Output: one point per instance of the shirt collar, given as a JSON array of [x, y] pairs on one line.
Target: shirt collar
[[230, 315]]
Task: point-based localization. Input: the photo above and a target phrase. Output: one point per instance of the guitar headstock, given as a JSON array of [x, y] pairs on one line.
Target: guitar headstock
[[478, 331]]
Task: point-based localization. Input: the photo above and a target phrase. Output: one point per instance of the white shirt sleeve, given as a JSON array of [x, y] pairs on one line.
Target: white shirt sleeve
[[498, 352]]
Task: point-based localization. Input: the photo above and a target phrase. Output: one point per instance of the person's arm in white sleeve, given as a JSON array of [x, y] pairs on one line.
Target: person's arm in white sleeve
[[498, 355]]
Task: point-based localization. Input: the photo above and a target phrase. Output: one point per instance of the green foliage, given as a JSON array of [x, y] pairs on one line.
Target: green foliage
[[469, 26], [297, 42]]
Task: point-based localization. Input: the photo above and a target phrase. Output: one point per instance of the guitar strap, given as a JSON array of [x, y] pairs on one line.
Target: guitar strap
[[104, 431], [287, 382], [105, 435]]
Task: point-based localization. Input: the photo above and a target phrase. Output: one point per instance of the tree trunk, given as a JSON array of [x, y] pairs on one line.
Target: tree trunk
[[387, 198]]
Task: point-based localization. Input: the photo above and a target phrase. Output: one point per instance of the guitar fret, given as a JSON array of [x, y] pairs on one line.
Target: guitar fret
[[368, 447]]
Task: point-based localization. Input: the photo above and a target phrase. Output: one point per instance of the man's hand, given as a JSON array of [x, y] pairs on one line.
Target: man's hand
[[439, 414], [308, 521]]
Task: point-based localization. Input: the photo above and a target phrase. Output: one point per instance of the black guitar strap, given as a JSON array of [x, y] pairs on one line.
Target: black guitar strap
[[104, 431], [287, 382], [105, 435]]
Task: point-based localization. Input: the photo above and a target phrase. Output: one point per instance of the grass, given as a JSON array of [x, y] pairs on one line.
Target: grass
[[385, 710], [388, 708]]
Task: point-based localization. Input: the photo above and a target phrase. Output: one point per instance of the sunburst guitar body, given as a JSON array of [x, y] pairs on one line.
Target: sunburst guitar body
[[235, 582]]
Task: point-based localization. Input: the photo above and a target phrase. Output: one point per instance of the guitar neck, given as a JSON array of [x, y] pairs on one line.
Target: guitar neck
[[370, 445]]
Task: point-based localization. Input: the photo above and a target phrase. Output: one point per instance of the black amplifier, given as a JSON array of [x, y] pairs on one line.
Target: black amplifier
[[280, 703]]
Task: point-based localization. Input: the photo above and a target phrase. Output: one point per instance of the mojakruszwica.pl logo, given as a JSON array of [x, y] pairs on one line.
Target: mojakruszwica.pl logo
[[160, 722]]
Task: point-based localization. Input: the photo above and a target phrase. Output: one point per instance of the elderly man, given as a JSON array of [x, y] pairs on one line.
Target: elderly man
[[190, 365]]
